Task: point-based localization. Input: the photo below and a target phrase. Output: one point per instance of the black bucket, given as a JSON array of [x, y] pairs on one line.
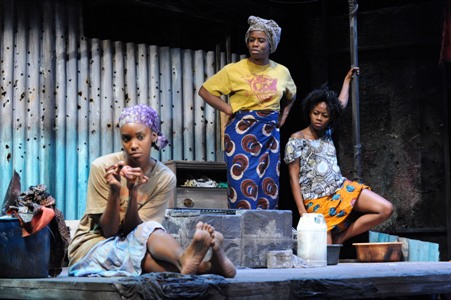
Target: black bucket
[[23, 257], [333, 253]]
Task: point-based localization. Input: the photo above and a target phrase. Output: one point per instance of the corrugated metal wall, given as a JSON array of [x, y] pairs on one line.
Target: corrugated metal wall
[[61, 96]]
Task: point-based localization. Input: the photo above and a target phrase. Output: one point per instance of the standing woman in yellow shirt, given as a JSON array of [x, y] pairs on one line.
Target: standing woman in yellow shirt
[[255, 86]]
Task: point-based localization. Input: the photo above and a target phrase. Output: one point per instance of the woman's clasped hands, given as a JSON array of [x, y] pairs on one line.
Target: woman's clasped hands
[[134, 176]]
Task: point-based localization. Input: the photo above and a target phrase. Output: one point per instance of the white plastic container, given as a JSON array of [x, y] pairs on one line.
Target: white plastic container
[[312, 240]]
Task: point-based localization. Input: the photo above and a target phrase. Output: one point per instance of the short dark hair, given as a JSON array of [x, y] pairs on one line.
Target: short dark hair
[[317, 96]]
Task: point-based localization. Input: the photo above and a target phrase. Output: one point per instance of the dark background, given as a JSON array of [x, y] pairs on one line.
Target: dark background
[[404, 92]]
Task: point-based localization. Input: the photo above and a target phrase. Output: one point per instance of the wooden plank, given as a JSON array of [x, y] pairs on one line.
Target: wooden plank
[[7, 47], [199, 107], [165, 102], [176, 137], [414, 254], [188, 104], [405, 248], [210, 115], [434, 252], [423, 251], [379, 237]]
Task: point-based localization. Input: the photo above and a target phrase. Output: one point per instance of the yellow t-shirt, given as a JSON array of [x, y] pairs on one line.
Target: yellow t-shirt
[[153, 198], [251, 86]]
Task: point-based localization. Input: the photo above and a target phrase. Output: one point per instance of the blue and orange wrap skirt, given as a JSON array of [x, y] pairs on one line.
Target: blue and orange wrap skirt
[[252, 156]]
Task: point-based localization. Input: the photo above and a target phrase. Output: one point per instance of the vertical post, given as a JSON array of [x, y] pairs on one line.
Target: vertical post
[[446, 157], [228, 50], [353, 8]]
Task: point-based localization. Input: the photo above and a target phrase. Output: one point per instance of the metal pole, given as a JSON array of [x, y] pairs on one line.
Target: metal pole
[[353, 8], [446, 158]]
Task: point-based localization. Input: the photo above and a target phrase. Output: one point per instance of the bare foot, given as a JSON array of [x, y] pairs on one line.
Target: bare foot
[[220, 263], [196, 250]]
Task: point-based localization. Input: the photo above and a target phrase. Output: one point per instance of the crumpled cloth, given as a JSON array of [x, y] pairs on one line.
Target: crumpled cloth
[[32, 209], [200, 182], [41, 218], [36, 210], [168, 285]]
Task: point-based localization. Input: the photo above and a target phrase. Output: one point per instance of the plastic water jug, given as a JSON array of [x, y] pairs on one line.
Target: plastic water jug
[[312, 240]]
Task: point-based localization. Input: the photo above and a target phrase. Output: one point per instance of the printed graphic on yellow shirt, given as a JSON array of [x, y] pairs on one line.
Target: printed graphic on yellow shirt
[[263, 86]]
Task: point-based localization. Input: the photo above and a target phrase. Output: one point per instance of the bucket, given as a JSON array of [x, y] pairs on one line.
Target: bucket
[[312, 240], [333, 253], [23, 257]]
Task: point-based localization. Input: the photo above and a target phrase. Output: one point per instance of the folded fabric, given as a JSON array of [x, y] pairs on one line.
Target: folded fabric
[[202, 182], [34, 209], [40, 219]]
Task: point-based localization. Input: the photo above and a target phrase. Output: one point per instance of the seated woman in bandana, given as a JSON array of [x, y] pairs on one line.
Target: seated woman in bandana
[[128, 192], [255, 86]]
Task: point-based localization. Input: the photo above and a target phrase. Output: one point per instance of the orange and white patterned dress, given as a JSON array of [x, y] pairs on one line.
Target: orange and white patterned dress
[[324, 189]]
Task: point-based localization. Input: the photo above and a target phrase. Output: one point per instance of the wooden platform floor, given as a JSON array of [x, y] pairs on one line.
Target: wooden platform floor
[[430, 280]]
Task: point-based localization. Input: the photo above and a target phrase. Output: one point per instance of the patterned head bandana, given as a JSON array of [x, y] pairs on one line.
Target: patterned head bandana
[[144, 114], [269, 27]]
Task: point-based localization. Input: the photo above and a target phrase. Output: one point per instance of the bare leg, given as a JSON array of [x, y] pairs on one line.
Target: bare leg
[[151, 265], [165, 254], [329, 237], [376, 210]]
